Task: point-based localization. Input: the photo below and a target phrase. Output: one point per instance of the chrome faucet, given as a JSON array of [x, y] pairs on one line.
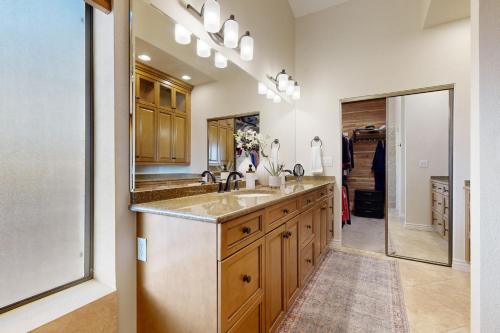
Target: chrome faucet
[[228, 181]]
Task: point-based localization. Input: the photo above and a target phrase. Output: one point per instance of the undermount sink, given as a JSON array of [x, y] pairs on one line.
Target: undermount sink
[[253, 194]]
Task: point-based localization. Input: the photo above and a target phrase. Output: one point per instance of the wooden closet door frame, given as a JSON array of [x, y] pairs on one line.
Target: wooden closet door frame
[[451, 90]]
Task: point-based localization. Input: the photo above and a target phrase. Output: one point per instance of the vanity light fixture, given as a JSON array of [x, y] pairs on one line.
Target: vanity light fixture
[[277, 99], [270, 94], [285, 84], [203, 49], [182, 35], [228, 34], [186, 77], [144, 57], [220, 60], [262, 89]]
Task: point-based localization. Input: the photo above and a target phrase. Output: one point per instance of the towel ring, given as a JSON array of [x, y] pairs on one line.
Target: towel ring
[[276, 142], [317, 139]]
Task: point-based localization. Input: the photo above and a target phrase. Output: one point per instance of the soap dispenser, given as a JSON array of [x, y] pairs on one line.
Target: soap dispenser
[[250, 178]]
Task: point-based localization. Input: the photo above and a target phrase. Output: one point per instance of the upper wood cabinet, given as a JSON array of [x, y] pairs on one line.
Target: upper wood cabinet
[[162, 117], [221, 142]]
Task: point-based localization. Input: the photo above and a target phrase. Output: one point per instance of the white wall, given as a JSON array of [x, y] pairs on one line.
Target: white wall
[[426, 139], [485, 166], [365, 47]]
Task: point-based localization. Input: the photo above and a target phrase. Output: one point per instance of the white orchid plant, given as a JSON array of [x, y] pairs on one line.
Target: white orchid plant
[[249, 140]]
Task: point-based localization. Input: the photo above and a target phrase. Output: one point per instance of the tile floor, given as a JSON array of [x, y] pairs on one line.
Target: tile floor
[[437, 298]]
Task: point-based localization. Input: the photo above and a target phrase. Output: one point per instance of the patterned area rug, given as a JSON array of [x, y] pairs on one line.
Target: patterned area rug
[[350, 293]]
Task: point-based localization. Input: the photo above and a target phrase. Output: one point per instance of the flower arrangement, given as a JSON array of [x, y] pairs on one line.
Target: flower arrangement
[[249, 140]]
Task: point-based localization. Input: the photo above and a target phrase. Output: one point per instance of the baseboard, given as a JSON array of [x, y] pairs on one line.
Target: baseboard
[[460, 265], [421, 227], [336, 244]]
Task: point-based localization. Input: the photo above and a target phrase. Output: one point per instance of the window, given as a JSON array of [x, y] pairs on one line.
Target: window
[[45, 148]]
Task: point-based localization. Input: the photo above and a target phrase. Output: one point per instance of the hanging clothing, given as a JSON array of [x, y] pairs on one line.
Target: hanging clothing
[[346, 214], [348, 204], [347, 156], [378, 166], [351, 151]]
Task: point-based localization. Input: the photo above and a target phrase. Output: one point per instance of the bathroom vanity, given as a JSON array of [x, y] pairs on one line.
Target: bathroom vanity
[[230, 262]]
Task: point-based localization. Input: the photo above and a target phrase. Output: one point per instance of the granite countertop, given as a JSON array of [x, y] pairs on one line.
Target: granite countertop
[[441, 179], [220, 207]]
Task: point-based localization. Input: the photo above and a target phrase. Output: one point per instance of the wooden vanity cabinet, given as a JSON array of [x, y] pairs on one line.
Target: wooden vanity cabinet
[[162, 118], [240, 276], [440, 207]]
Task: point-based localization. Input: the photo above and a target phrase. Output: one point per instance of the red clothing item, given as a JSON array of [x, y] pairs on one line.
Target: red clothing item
[[346, 215]]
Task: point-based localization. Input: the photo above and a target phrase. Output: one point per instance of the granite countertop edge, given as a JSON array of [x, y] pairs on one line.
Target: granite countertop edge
[[141, 208]]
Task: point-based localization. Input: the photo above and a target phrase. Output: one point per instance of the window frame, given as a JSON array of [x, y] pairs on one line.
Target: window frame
[[89, 171]]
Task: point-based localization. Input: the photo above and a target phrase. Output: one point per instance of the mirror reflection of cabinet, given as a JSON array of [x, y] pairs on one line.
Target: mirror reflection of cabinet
[[163, 118], [221, 143]]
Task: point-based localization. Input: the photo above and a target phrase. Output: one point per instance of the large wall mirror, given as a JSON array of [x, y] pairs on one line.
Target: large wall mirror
[[186, 111]]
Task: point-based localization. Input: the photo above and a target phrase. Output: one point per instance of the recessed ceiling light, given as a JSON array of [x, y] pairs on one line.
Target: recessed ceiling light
[[186, 77], [144, 57]]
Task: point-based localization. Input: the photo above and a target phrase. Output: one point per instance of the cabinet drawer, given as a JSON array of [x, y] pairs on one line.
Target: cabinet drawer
[[306, 262], [242, 283], [321, 193], [279, 213], [307, 200], [240, 232], [446, 205], [438, 203], [330, 189], [252, 320], [306, 227]]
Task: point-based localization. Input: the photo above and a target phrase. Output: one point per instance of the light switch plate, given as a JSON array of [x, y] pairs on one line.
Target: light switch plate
[[142, 250], [423, 164], [327, 161]]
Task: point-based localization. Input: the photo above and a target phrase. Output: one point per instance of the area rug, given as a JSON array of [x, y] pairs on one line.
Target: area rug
[[350, 293]]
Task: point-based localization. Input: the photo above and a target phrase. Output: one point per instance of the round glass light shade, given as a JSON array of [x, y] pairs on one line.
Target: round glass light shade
[[270, 94], [211, 16], [277, 99], [231, 33], [182, 35], [291, 87], [220, 60], [246, 48], [262, 89], [202, 49], [296, 92], [282, 81]]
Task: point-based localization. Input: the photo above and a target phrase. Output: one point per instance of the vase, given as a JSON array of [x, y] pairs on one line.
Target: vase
[[261, 173], [274, 181], [244, 163]]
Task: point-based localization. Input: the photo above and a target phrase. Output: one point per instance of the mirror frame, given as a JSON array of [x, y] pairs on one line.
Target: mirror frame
[[451, 89]]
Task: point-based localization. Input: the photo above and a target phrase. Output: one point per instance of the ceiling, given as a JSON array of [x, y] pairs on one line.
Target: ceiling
[[445, 11], [305, 7]]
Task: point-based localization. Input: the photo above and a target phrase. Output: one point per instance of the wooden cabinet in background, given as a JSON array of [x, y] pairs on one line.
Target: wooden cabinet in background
[[221, 149], [440, 206], [162, 117]]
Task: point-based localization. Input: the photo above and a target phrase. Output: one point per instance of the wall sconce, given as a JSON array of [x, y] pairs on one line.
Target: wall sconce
[[228, 34], [285, 83]]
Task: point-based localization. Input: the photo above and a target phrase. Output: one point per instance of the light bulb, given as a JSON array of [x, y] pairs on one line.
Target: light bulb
[[276, 99], [291, 87], [246, 47], [270, 94], [231, 33], [144, 57], [211, 16], [262, 89], [202, 49], [220, 60], [296, 92], [182, 35], [282, 80]]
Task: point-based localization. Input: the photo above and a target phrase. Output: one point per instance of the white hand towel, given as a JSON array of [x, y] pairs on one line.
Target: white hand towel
[[316, 165], [274, 154]]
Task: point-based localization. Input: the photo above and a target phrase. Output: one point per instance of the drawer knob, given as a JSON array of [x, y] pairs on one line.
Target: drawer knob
[[287, 234], [308, 201], [247, 278], [246, 230], [322, 193], [308, 261], [286, 211], [309, 226]]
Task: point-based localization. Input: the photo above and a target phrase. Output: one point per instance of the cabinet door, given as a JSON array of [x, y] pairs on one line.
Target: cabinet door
[[317, 233], [252, 321], [230, 146], [146, 90], [213, 150], [179, 139], [222, 144], [145, 134], [323, 227], [275, 278], [329, 223], [181, 101], [165, 134], [292, 280]]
